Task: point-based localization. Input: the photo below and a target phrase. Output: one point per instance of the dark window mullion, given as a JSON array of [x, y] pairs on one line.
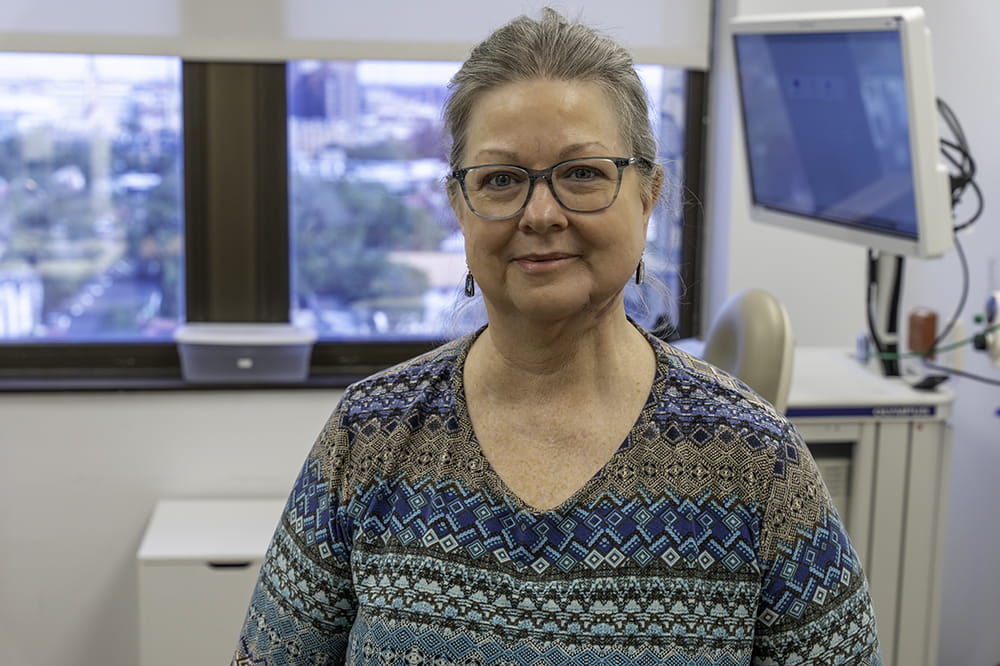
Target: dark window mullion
[[236, 192], [196, 237], [271, 194], [692, 224]]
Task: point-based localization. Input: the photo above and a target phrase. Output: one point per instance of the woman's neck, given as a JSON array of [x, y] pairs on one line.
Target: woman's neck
[[570, 357]]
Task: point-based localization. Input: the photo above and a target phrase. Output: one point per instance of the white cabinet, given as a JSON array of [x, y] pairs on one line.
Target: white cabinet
[[897, 477], [198, 563]]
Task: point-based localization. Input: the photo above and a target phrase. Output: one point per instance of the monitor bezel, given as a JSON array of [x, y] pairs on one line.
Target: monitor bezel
[[931, 180]]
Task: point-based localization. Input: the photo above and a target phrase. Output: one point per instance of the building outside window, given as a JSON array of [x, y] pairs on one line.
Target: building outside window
[[107, 245], [376, 250], [91, 245]]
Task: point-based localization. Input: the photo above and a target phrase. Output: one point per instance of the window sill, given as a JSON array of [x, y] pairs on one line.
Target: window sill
[[55, 384]]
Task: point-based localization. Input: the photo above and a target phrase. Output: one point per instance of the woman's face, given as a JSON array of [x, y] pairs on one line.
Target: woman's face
[[547, 263]]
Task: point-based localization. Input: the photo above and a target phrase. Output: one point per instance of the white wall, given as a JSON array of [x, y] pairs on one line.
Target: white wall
[[658, 31], [966, 54], [822, 284], [79, 474]]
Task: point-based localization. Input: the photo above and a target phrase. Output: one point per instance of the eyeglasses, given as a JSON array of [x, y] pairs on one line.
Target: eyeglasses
[[583, 185]]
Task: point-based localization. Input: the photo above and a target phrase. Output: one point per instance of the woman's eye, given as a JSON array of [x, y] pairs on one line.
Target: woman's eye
[[499, 180], [583, 173]]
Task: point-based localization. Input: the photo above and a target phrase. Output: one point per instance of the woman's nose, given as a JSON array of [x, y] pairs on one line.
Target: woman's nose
[[542, 211]]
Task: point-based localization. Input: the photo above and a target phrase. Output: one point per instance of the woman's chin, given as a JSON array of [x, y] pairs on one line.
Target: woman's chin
[[555, 305]]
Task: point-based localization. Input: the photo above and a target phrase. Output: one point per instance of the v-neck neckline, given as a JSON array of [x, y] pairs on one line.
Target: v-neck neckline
[[581, 494]]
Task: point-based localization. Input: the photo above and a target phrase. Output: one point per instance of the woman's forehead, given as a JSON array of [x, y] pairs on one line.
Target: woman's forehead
[[557, 119]]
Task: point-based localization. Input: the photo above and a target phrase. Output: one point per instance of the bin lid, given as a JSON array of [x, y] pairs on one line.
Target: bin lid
[[244, 334]]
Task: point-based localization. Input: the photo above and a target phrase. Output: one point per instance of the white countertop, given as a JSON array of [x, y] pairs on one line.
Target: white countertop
[[830, 377], [212, 530]]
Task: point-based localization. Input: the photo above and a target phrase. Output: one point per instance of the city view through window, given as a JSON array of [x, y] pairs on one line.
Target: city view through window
[[91, 199], [376, 249]]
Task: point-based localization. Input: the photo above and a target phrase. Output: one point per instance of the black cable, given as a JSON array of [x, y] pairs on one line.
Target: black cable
[[963, 166], [872, 281], [887, 352], [979, 208], [966, 166], [892, 326], [961, 373], [948, 347], [947, 329], [951, 119], [961, 300], [958, 154]]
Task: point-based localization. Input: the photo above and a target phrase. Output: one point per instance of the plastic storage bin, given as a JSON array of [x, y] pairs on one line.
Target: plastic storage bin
[[244, 353]]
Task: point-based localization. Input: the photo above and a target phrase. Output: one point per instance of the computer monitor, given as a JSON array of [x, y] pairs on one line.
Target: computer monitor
[[840, 124]]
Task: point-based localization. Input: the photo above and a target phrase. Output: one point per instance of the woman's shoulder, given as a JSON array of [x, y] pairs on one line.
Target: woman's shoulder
[[696, 392], [427, 378], [684, 367]]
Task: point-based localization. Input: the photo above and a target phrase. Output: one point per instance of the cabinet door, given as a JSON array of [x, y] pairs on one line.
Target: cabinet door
[[191, 612]]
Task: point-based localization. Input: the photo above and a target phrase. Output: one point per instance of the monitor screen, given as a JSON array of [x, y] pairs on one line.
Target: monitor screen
[[838, 122]]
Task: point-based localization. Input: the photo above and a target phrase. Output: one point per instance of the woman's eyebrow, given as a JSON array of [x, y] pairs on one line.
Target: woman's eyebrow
[[512, 158]]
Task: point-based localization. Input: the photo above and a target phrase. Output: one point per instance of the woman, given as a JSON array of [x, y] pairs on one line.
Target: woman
[[560, 487]]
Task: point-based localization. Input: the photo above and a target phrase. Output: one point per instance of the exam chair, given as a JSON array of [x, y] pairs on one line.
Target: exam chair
[[751, 338]]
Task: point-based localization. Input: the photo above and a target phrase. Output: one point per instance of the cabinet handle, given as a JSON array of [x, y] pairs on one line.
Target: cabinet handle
[[228, 565]]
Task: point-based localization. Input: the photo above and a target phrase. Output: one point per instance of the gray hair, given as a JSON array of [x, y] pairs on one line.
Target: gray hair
[[552, 48]]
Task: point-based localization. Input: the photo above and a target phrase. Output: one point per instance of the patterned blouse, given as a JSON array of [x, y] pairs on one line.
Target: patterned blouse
[[708, 538]]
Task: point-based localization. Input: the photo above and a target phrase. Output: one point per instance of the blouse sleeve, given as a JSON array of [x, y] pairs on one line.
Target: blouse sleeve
[[303, 604], [814, 603]]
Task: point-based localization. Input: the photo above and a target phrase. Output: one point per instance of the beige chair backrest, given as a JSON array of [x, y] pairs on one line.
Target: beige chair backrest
[[752, 338]]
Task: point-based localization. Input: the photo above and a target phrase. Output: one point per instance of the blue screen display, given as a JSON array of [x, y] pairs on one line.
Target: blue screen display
[[826, 127]]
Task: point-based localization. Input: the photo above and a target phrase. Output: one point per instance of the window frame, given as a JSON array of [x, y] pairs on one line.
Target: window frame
[[236, 257]]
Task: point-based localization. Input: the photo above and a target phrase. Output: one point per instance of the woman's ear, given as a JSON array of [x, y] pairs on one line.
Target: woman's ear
[[656, 187]]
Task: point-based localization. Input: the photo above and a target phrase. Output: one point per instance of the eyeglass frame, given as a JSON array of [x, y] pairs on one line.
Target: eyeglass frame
[[546, 174]]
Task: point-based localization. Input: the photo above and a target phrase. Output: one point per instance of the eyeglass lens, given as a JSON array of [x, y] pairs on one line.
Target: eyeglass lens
[[581, 185]]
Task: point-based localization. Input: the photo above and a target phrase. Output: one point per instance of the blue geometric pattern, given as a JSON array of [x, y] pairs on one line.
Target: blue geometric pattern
[[613, 531], [708, 538]]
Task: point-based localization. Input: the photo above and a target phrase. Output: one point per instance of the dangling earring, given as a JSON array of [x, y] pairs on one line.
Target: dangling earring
[[640, 272], [470, 285]]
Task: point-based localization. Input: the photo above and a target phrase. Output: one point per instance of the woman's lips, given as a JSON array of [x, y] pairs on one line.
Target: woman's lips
[[537, 263]]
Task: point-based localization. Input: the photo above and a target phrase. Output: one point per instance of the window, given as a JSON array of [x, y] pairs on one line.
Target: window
[[312, 191], [376, 251], [90, 198]]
